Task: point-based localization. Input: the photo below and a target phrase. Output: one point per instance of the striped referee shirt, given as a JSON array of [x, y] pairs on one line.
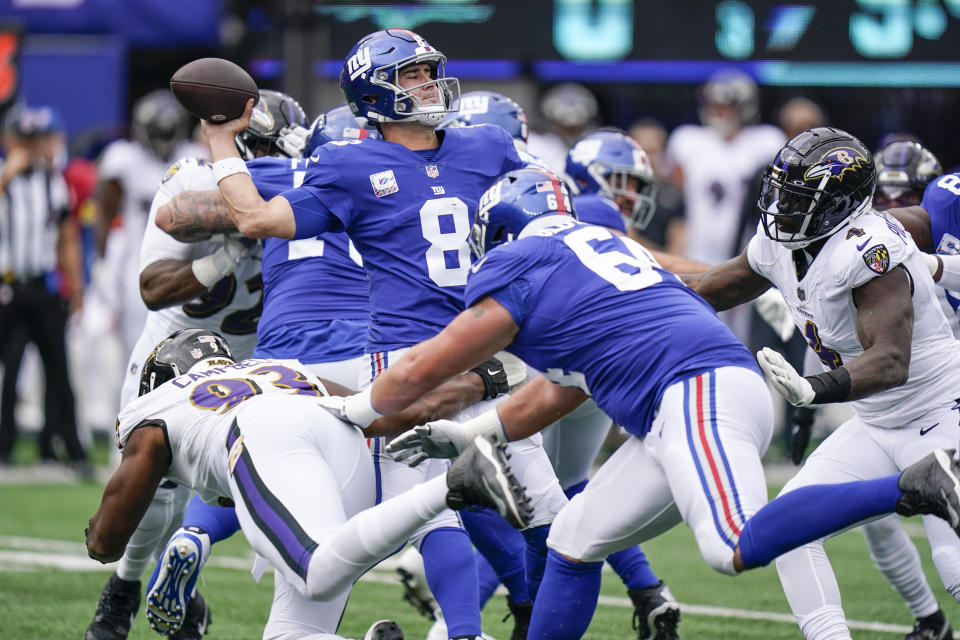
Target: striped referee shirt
[[32, 207]]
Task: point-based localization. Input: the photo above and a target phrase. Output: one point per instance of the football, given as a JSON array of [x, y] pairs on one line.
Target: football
[[213, 89]]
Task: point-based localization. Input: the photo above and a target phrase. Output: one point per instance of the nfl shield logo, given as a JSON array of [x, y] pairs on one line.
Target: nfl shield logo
[[433, 171], [801, 294]]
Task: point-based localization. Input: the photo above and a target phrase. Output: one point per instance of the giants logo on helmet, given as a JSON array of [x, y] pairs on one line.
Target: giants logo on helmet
[[835, 163], [359, 62]]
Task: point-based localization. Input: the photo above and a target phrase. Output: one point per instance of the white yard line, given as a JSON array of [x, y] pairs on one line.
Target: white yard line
[[18, 553]]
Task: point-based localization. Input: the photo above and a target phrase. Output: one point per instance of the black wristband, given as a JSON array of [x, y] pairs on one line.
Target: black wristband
[[830, 386], [494, 378]]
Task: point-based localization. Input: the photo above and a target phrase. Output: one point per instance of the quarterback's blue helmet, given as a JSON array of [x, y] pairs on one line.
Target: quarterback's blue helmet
[[611, 163], [512, 202], [370, 79], [490, 107], [336, 124]]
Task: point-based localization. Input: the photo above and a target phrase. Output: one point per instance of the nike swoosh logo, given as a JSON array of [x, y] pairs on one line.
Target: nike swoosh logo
[[924, 431], [492, 373], [477, 266], [861, 246]]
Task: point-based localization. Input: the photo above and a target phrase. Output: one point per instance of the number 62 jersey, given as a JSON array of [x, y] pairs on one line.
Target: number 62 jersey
[[195, 411], [871, 245]]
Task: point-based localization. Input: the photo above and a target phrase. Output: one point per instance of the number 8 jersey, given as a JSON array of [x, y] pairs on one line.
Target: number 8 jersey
[[409, 214]]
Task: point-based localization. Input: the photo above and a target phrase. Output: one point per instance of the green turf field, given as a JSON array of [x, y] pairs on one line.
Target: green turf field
[[48, 590]]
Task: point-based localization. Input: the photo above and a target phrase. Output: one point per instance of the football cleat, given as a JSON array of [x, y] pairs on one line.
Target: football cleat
[[932, 486], [170, 588], [197, 620], [932, 627], [384, 630], [118, 605], [414, 580], [521, 613], [656, 614], [482, 477]]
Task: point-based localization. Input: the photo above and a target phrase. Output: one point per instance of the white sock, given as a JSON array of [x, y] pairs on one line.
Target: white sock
[[897, 558], [372, 535], [150, 535], [812, 591]]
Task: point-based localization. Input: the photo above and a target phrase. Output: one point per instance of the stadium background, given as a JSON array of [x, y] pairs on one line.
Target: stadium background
[[875, 66]]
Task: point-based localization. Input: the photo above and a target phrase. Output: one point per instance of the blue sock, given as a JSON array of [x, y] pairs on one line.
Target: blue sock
[[452, 577], [630, 564], [502, 546], [574, 489], [536, 557], [567, 599], [487, 579], [810, 513], [218, 522], [633, 568]]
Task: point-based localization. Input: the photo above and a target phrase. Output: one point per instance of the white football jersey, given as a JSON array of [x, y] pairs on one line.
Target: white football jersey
[[232, 306], [196, 410], [716, 173], [870, 245]]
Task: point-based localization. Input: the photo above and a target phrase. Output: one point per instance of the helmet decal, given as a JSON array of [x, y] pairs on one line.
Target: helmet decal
[[835, 163]]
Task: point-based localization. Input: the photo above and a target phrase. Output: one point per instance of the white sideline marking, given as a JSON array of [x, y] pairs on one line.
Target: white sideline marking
[[24, 553]]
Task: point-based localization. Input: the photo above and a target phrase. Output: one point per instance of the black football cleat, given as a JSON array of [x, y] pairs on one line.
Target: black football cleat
[[118, 605], [932, 627], [932, 486], [384, 630], [482, 477], [197, 620], [521, 612], [656, 615]]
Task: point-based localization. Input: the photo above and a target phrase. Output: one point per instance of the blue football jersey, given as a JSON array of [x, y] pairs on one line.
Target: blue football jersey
[[596, 209], [409, 214], [941, 199], [596, 311], [316, 296]]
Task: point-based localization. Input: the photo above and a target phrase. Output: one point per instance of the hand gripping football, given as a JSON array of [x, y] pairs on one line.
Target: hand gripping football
[[213, 89]]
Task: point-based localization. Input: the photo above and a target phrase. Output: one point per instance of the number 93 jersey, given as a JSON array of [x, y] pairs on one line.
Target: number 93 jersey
[[231, 306], [409, 214], [941, 200], [871, 245], [596, 311], [195, 411]]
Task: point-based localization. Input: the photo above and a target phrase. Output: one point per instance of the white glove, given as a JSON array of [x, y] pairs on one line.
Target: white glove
[[774, 310], [438, 439], [784, 378], [933, 263], [292, 140], [208, 270], [354, 409]]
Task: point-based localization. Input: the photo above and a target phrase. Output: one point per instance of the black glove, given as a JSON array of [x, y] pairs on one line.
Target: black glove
[[800, 433], [494, 378]]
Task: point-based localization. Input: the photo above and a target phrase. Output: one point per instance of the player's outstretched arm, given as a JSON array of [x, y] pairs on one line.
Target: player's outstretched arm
[[536, 405], [146, 457], [728, 284], [885, 328], [473, 337], [192, 216], [254, 217]]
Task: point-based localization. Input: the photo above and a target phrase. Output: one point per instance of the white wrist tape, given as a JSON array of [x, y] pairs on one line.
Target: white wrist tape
[[227, 167], [485, 424], [359, 410], [208, 270], [950, 278]]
